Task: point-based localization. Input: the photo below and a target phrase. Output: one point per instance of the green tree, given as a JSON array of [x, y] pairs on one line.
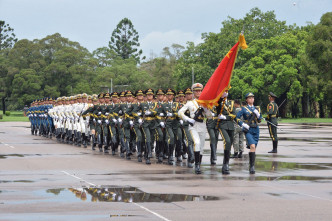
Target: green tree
[[7, 36], [318, 64], [124, 41]]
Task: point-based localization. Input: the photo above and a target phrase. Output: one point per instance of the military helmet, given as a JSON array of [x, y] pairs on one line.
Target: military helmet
[[197, 87], [249, 94], [188, 91], [160, 92], [139, 92], [170, 91], [149, 91], [115, 94], [180, 93], [272, 95]]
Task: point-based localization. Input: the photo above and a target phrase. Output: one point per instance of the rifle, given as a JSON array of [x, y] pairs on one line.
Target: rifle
[[198, 113]]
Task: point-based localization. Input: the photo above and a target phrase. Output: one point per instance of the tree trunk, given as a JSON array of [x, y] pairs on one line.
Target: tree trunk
[[305, 105], [321, 109], [316, 109]]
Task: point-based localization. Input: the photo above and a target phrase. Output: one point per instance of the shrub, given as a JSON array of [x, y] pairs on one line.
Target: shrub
[[7, 113], [0, 116]]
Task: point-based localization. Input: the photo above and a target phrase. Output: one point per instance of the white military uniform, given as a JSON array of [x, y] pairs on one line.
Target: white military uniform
[[198, 131]]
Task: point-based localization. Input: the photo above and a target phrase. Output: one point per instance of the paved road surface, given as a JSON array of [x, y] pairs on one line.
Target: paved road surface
[[43, 180]]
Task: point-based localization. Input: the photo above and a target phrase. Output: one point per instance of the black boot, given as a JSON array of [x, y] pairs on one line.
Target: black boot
[[105, 145], [252, 156], [79, 139], [178, 151], [184, 151], [93, 137], [197, 162], [113, 145], [240, 155], [235, 155], [170, 156], [139, 151], [148, 152], [75, 138], [128, 151], [161, 151], [88, 139], [225, 166], [100, 143], [191, 158], [275, 147], [122, 148], [84, 141], [213, 153]]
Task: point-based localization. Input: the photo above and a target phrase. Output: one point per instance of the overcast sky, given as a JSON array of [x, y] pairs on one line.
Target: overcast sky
[[160, 23]]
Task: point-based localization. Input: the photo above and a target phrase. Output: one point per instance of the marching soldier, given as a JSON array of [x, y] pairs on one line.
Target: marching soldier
[[106, 122], [113, 121], [98, 120], [161, 145], [197, 127], [212, 128], [149, 112], [238, 142], [251, 117], [272, 114], [226, 128], [187, 135]]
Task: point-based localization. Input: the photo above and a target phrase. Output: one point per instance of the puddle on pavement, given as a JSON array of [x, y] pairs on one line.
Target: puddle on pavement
[[277, 165], [10, 155], [291, 178], [16, 181], [121, 194]]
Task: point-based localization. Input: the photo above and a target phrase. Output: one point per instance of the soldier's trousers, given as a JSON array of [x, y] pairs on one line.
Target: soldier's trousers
[[238, 142], [213, 133], [148, 131], [273, 132], [228, 136], [173, 134], [138, 133]]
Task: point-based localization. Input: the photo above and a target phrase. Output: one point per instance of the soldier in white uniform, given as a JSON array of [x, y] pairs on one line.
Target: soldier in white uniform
[[197, 126]]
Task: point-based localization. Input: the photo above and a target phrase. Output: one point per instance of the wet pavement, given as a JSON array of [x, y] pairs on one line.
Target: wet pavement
[[43, 180]]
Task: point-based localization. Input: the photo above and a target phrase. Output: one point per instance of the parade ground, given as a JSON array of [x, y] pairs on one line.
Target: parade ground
[[41, 179]]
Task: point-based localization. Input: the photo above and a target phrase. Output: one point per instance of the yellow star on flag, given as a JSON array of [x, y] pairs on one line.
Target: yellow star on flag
[[228, 54]]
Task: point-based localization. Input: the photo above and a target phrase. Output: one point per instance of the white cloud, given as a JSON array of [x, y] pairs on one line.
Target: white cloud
[[156, 41]]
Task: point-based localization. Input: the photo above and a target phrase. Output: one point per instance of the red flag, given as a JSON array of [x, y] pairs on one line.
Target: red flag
[[219, 82]]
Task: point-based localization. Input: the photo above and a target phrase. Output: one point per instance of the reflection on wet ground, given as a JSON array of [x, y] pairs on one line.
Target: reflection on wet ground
[[5, 156], [126, 194], [16, 181]]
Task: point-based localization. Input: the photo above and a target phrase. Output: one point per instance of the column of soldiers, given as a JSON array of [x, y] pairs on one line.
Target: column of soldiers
[[168, 123]]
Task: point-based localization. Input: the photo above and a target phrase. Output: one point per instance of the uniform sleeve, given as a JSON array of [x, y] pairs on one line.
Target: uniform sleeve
[[183, 110], [238, 117]]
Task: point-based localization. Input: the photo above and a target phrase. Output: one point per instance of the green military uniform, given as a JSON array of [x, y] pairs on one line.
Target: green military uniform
[[272, 114], [173, 132], [136, 113], [126, 124], [226, 129], [212, 128], [119, 115], [149, 113], [105, 113], [161, 146], [113, 123], [99, 122], [187, 135]]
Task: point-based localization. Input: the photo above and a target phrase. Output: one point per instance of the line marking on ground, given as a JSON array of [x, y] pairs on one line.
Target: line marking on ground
[[142, 207], [78, 178], [285, 189], [150, 211]]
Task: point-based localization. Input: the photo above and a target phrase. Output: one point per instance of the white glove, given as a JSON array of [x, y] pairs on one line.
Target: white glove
[[139, 113], [169, 114], [99, 113], [120, 112], [94, 120], [181, 122], [131, 123], [106, 114], [257, 113], [192, 121], [140, 121], [225, 94], [115, 121], [147, 112], [120, 121], [162, 124], [213, 114], [161, 114], [99, 121], [246, 126], [222, 117], [107, 121]]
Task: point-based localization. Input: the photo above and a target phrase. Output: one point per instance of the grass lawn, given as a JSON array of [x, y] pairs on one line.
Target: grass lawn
[[305, 120], [14, 116]]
